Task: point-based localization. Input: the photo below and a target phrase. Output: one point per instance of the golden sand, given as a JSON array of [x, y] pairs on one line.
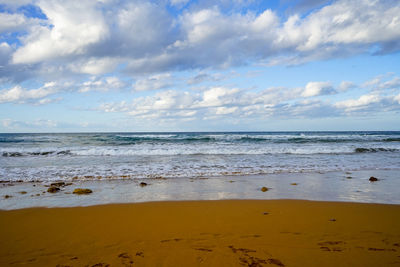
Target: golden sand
[[203, 233]]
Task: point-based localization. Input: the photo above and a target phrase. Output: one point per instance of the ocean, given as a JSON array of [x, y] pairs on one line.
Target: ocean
[[68, 156]]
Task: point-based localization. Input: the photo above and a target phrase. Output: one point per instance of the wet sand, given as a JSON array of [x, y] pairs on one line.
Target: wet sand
[[331, 186], [209, 233]]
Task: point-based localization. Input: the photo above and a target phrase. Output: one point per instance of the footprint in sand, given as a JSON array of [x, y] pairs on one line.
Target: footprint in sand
[[275, 261], [139, 254], [249, 260], [169, 240], [243, 250], [250, 236], [204, 249], [331, 246], [101, 265], [211, 234], [381, 249], [126, 259]]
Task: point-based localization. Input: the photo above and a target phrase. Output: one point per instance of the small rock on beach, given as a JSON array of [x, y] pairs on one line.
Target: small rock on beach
[[57, 184], [60, 184], [82, 191], [264, 189], [53, 189], [373, 179]]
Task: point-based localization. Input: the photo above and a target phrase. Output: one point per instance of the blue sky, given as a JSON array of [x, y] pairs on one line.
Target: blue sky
[[178, 65]]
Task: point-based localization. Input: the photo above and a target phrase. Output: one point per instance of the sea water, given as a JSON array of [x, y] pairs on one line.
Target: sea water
[[330, 166], [105, 156]]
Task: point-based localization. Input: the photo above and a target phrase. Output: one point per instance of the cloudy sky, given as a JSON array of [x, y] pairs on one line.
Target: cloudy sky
[[206, 65]]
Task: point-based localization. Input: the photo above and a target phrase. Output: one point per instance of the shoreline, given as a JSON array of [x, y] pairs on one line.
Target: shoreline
[[340, 186], [151, 202], [196, 233]]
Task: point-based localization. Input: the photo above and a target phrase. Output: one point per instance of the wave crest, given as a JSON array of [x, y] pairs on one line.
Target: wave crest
[[374, 150], [43, 153]]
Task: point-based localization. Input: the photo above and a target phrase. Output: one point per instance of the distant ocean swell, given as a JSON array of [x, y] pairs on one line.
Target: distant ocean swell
[[202, 138]]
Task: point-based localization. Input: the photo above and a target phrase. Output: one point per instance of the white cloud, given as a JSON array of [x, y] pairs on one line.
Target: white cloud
[[94, 66], [17, 94], [142, 29], [391, 84], [318, 88], [218, 96], [231, 103], [75, 26], [346, 22], [178, 2], [10, 73], [397, 98], [362, 101], [383, 83], [210, 77], [101, 85], [380, 96], [346, 85], [211, 103], [153, 82], [45, 101], [15, 3], [35, 124], [5, 51], [373, 82], [15, 22], [199, 78], [162, 104], [214, 39], [94, 36], [225, 110], [368, 103]]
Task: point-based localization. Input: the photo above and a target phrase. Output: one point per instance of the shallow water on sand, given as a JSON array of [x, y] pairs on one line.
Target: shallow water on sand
[[330, 186]]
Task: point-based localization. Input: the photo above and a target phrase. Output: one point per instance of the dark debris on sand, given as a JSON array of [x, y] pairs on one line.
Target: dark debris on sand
[[53, 189], [373, 179]]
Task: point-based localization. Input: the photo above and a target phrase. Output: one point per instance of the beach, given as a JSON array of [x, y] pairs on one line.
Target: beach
[[199, 133], [193, 199], [203, 233]]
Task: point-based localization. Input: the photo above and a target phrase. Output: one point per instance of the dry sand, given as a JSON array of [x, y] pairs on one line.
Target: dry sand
[[209, 233]]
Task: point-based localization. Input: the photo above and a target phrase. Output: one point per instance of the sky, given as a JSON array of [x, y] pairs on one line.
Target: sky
[[179, 65]]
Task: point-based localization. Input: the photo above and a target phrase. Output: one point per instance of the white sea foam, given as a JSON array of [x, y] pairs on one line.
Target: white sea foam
[[193, 149]]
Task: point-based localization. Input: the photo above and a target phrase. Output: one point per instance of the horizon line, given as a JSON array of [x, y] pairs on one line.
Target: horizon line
[[182, 132]]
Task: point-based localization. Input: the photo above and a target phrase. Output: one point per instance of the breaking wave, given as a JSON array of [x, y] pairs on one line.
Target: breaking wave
[[44, 153], [211, 149], [375, 149]]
